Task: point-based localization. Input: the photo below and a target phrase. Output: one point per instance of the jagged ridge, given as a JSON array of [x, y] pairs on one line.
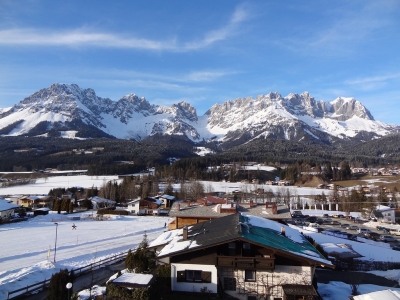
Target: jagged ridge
[[298, 117]]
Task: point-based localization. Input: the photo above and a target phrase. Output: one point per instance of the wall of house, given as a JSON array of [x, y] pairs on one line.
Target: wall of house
[[267, 282], [133, 208], [6, 213], [193, 286]]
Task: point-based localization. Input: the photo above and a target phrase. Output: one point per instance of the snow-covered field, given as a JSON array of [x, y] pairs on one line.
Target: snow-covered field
[[24, 248]]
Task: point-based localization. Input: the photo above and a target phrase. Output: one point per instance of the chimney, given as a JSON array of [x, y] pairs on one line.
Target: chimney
[[185, 232], [179, 206], [226, 200], [283, 231]]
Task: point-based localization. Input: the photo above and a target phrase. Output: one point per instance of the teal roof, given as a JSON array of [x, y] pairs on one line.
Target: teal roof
[[253, 229], [272, 238]]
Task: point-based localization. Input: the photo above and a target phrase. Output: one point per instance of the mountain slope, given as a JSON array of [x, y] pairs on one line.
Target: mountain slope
[[298, 117]]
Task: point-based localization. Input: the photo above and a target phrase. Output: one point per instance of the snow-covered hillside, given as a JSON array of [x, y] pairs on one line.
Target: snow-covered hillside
[[65, 108]]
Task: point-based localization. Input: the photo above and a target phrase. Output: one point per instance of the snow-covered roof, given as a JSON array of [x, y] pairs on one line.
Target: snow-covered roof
[[101, 200], [168, 197], [133, 280], [379, 295], [383, 208], [251, 228], [4, 205]]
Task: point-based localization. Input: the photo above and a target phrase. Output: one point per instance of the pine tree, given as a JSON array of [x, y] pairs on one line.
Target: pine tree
[[57, 287]]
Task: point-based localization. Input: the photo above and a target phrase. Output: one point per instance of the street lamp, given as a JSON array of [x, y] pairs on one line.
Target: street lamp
[[55, 243], [69, 286]]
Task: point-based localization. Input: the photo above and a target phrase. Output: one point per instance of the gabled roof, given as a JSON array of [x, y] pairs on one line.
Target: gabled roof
[[256, 230], [4, 205]]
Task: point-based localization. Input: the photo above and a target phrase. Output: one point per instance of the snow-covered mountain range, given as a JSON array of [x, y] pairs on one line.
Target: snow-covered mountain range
[[63, 109]]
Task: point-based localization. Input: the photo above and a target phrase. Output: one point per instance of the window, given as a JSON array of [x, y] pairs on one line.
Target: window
[[193, 276], [232, 249], [246, 249], [250, 275]]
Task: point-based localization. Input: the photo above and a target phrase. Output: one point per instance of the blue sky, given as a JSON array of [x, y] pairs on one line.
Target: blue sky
[[204, 52]]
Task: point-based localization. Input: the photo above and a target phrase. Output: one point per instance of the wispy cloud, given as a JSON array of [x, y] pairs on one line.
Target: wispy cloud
[[373, 82], [343, 28], [83, 37], [240, 15]]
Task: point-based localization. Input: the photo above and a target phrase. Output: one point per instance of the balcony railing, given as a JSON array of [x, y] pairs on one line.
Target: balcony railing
[[246, 262]]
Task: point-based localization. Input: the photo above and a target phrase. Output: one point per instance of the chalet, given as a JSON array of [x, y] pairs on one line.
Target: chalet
[[6, 209], [99, 202], [146, 206], [167, 200], [244, 257], [35, 201], [269, 210], [187, 213]]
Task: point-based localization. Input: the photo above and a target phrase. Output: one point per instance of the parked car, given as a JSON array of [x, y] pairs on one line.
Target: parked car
[[338, 216], [352, 237], [311, 219], [387, 238], [363, 230], [334, 223], [327, 221], [395, 231], [319, 221], [344, 225], [325, 216], [384, 229], [372, 235], [397, 248], [352, 227]]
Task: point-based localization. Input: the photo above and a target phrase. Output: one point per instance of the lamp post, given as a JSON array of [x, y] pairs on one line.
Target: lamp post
[[55, 243], [69, 286]]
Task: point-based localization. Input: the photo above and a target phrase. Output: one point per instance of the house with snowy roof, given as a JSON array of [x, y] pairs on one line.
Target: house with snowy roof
[[36, 201], [99, 202], [6, 209], [146, 206], [384, 214], [245, 257]]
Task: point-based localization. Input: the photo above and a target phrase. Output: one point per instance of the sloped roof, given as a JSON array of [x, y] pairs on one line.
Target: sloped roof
[[195, 210], [264, 212], [4, 205], [385, 294], [101, 200], [133, 280], [168, 197], [253, 229]]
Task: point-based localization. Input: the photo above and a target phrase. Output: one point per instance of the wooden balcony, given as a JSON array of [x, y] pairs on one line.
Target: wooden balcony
[[246, 262]]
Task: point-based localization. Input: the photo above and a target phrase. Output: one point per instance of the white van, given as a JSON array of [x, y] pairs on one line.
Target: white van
[[395, 231]]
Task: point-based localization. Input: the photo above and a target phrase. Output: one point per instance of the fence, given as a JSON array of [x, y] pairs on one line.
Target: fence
[[42, 285]]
